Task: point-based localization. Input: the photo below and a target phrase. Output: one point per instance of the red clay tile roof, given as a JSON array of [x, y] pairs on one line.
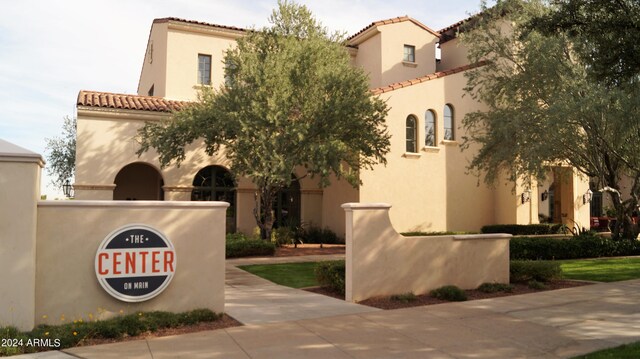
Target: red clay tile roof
[[128, 102], [433, 76], [167, 19], [393, 21]]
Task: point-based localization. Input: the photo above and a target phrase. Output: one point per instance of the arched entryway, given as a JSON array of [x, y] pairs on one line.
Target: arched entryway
[[138, 181], [286, 206], [216, 183]]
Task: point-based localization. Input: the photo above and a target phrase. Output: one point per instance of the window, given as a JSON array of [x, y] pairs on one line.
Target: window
[[411, 134], [204, 69], [409, 53], [215, 183], [448, 123], [429, 128], [151, 90]]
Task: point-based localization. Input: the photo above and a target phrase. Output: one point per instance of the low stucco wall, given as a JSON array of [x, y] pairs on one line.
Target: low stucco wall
[[68, 236], [379, 261]]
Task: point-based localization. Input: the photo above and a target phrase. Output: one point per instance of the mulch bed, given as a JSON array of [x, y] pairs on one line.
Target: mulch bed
[[385, 302], [309, 249], [225, 322]]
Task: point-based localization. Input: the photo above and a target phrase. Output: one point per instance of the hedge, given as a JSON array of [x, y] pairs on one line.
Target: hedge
[[577, 247], [523, 229], [539, 271], [239, 245], [331, 274]]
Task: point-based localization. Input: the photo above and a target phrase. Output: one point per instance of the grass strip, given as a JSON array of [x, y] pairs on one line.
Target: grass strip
[[627, 351], [294, 275], [602, 270]]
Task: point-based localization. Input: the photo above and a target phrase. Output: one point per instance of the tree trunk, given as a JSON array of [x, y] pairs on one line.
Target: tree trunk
[[263, 212]]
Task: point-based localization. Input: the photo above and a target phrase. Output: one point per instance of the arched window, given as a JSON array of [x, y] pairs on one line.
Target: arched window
[[215, 183], [448, 123], [411, 134], [429, 128]]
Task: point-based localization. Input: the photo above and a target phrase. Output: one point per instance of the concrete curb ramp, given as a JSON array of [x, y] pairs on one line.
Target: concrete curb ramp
[[556, 324]]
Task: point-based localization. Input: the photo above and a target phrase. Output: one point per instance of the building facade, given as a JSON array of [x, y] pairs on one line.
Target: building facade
[[425, 178]]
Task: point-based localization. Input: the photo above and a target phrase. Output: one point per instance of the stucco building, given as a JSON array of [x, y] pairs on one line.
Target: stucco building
[[425, 179]]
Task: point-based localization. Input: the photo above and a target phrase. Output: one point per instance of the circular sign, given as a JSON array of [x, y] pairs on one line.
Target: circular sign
[[135, 263]]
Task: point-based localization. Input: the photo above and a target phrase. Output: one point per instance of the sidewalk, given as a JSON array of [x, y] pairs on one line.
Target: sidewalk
[[253, 300], [555, 324]]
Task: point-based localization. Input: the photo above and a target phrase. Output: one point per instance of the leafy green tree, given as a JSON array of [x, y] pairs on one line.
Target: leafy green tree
[[292, 101], [545, 109], [61, 153], [605, 32]]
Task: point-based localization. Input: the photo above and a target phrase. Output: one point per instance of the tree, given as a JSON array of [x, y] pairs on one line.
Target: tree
[[545, 109], [61, 153], [292, 100], [606, 32]]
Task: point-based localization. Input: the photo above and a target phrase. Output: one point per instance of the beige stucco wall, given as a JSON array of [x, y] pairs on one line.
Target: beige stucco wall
[[452, 54], [69, 233], [430, 188], [19, 191], [184, 43], [369, 58], [394, 37], [380, 53], [419, 264], [154, 67]]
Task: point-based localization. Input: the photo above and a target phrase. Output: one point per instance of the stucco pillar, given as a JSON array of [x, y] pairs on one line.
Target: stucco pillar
[[19, 193], [361, 220]]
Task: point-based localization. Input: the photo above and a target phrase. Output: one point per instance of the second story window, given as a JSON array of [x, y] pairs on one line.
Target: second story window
[[429, 128], [449, 133], [204, 69], [411, 134], [409, 53]]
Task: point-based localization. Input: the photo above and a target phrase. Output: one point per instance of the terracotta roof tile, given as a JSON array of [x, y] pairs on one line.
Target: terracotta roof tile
[[435, 75], [167, 19], [128, 102], [393, 21]]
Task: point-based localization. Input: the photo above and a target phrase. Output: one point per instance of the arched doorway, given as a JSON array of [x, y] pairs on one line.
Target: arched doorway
[[138, 181], [286, 206], [216, 183]]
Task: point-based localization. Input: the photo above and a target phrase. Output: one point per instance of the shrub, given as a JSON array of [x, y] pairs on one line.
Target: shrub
[[450, 293], [586, 245], [319, 235], [71, 334], [242, 246], [534, 284], [404, 298], [283, 235], [523, 229], [495, 287], [330, 274], [542, 271]]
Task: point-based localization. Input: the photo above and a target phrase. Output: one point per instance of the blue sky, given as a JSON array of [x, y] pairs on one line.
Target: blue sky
[[50, 50]]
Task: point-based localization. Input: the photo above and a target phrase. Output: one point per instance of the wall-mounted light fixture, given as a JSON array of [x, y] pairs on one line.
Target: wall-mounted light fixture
[[545, 195], [526, 196], [587, 196], [67, 189]]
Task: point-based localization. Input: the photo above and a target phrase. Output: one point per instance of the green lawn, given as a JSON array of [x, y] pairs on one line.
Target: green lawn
[[294, 275], [629, 351], [602, 270]]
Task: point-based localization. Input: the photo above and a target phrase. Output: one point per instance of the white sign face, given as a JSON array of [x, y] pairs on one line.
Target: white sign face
[[135, 263]]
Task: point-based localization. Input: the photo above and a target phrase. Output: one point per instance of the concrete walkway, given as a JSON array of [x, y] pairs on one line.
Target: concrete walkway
[[555, 324], [253, 300]]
